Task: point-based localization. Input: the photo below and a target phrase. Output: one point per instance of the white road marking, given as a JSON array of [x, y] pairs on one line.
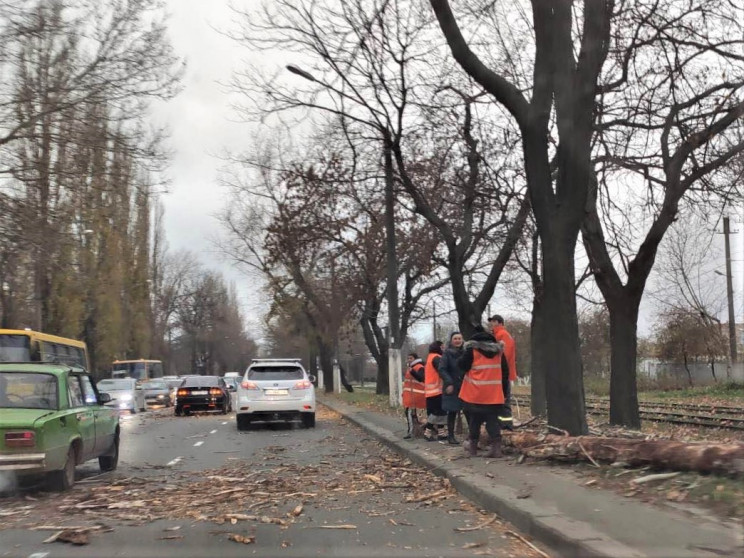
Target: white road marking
[[38, 555], [213, 431], [199, 443], [224, 423], [173, 462]]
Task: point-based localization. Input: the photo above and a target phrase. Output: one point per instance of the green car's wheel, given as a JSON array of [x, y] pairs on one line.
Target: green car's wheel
[[110, 462], [64, 479]]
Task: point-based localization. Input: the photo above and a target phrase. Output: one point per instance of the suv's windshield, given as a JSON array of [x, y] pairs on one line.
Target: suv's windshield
[[115, 384], [28, 390], [273, 373]]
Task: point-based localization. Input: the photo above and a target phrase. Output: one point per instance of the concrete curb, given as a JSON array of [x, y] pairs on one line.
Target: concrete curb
[[564, 536]]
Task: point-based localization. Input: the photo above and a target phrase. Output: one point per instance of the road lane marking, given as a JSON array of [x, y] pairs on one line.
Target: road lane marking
[[213, 431], [199, 443], [38, 555], [224, 423], [173, 462]]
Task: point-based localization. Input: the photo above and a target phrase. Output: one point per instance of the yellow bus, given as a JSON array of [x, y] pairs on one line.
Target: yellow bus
[[139, 369], [25, 345]]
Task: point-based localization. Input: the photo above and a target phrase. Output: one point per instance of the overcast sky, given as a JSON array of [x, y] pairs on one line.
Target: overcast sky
[[202, 125]]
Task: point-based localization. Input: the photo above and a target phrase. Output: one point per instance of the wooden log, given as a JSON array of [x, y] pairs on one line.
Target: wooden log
[[702, 457]]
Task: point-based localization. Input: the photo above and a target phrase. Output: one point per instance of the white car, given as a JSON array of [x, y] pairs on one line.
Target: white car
[[125, 394], [276, 389]]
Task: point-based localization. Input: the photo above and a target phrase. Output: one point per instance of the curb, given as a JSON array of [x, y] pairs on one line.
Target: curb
[[562, 535]]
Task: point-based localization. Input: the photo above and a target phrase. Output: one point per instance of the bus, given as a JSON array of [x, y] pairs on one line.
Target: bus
[[139, 369], [25, 345]]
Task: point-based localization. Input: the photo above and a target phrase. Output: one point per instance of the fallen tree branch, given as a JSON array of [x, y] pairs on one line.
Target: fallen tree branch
[[652, 478], [528, 543], [701, 457]]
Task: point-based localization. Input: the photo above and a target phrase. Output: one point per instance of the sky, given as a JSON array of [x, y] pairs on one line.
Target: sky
[[203, 124]]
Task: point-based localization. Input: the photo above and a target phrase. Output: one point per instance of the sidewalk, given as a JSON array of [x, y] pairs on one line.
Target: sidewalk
[[546, 503]]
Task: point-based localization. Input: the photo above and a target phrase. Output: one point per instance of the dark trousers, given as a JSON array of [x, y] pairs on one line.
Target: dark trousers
[[491, 419]]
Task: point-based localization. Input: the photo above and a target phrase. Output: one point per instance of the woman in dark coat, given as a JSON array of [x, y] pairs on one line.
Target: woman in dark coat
[[452, 377]]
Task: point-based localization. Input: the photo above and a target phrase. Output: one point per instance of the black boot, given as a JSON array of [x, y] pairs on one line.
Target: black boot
[[452, 440]]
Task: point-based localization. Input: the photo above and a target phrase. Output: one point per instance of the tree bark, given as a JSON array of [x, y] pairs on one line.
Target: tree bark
[[564, 382], [538, 373], [624, 346]]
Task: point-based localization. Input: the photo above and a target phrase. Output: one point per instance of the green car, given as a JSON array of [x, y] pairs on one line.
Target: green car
[[52, 418]]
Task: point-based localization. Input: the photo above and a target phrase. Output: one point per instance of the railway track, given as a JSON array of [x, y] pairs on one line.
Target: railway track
[[709, 416]]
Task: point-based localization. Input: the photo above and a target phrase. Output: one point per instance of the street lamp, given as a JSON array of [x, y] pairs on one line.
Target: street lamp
[[391, 260], [300, 72]]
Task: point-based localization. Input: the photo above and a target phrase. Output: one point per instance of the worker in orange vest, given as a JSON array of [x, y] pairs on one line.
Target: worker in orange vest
[[433, 385], [496, 323], [484, 364], [414, 397]]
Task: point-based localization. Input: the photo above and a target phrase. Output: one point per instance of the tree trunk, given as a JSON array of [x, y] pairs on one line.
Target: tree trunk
[[538, 401], [702, 457], [313, 361], [687, 368], [326, 363], [623, 354], [344, 380], [564, 385], [383, 379]]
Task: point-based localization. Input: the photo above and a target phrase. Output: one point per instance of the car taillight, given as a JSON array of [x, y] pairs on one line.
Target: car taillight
[[215, 391], [25, 439], [303, 384], [182, 392], [245, 384]]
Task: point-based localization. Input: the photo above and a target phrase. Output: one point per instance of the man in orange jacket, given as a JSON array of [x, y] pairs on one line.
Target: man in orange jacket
[[496, 322]]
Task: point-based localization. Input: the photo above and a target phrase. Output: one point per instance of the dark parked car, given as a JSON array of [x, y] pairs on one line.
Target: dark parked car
[[202, 393]]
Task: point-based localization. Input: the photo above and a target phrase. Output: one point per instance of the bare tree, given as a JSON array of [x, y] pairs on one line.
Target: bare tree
[[570, 44], [671, 98], [369, 64]]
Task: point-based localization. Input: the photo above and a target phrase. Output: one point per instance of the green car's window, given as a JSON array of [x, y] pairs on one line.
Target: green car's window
[[91, 397], [28, 390], [75, 392]]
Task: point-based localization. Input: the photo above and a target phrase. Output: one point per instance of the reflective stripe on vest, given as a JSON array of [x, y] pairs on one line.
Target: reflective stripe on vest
[[482, 383], [433, 383]]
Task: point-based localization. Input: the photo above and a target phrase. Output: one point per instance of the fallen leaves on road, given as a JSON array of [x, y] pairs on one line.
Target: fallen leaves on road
[[345, 526], [241, 538]]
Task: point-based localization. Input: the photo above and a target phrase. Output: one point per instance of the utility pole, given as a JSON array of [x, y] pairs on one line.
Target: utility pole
[[434, 315], [730, 290], [391, 259]]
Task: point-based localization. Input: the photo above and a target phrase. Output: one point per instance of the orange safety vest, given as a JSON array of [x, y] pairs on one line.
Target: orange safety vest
[[433, 382], [482, 383], [414, 396], [510, 349]]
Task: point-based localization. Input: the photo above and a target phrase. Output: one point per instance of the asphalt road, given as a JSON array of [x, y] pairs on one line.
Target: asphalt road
[[327, 491]]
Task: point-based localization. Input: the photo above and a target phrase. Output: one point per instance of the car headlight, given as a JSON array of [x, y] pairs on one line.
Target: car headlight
[[161, 396], [126, 397]]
